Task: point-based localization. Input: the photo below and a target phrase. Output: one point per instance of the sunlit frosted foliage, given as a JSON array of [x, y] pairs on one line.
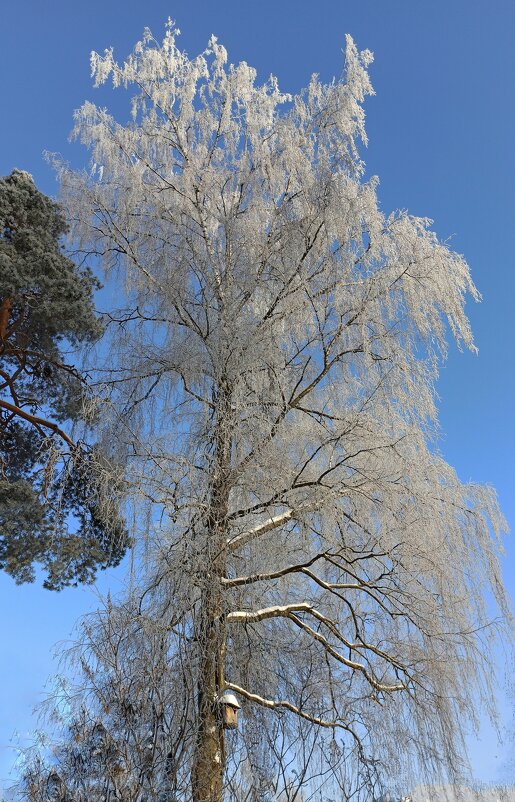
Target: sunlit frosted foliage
[[271, 388]]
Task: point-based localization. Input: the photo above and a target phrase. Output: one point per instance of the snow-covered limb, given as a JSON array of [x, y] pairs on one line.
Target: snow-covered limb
[[240, 616], [235, 543], [273, 523], [277, 704]]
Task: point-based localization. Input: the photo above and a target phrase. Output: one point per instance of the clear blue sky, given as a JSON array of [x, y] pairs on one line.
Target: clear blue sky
[[442, 140]]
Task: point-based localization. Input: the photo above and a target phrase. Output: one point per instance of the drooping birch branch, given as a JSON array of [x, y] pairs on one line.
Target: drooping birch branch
[[288, 611], [265, 577], [277, 704]]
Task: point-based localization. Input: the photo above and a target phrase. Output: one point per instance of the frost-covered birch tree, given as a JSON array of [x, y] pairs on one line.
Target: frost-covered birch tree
[[271, 389]]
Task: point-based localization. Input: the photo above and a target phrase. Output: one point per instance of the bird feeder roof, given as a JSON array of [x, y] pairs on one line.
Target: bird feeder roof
[[230, 700]]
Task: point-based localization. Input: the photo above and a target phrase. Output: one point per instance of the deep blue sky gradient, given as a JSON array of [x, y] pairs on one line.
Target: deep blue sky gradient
[[442, 140]]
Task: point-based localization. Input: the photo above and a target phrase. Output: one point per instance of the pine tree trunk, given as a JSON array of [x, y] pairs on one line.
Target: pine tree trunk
[[209, 761], [5, 310]]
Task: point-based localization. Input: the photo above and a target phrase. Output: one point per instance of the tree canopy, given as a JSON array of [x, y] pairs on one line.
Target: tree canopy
[[50, 494]]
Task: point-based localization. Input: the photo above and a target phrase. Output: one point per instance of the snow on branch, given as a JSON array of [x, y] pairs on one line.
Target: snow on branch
[[276, 704], [235, 543]]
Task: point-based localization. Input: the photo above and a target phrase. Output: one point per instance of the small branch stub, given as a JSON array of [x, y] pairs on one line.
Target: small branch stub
[[229, 706]]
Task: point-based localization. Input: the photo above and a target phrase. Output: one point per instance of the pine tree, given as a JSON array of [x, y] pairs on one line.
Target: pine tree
[[51, 506]]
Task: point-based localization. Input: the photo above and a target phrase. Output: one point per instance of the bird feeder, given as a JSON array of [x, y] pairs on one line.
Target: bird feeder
[[229, 706]]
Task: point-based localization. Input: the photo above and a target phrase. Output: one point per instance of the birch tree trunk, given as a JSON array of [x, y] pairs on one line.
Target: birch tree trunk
[[209, 760]]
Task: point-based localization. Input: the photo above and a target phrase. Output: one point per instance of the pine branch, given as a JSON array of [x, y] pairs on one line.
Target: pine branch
[[37, 421]]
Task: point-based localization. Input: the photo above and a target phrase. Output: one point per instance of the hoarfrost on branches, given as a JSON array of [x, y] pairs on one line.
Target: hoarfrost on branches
[[271, 385]]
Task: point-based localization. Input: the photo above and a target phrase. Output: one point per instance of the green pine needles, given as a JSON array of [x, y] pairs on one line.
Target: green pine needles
[[53, 508]]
